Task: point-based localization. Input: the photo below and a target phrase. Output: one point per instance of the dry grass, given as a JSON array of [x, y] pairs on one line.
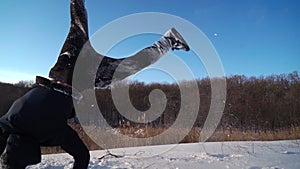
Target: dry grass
[[193, 136], [292, 133]]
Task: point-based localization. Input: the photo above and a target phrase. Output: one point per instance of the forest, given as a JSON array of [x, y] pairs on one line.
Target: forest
[[257, 104]]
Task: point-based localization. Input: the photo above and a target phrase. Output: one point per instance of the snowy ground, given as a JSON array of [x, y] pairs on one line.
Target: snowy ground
[[218, 155]]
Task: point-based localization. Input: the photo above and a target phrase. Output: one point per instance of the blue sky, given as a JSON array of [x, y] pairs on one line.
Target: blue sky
[[252, 37]]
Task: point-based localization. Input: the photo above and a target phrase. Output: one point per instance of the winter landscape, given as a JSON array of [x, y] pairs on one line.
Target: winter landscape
[[228, 97], [218, 155]]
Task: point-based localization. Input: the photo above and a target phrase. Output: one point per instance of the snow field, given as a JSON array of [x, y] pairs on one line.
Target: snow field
[[215, 155]]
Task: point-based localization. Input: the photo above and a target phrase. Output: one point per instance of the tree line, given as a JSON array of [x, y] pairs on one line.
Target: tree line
[[252, 103]]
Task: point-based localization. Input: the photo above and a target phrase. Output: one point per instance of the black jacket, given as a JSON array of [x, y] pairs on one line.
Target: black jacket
[[41, 113], [39, 118]]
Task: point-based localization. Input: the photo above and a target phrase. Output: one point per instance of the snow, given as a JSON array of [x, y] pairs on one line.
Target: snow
[[218, 155]]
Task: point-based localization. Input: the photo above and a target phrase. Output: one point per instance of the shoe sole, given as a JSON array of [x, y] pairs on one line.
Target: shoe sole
[[180, 38]]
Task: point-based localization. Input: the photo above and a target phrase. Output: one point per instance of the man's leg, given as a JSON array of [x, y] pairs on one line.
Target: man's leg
[[112, 69], [73, 145], [124, 67], [77, 37]]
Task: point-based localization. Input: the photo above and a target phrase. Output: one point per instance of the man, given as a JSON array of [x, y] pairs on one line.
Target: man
[[39, 118]]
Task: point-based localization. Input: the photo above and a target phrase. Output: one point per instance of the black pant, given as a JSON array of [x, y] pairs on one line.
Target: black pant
[[77, 38]]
